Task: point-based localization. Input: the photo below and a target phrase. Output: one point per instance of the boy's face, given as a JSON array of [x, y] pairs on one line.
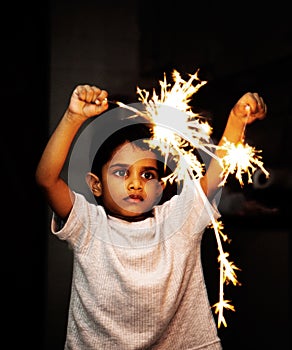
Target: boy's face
[[130, 182]]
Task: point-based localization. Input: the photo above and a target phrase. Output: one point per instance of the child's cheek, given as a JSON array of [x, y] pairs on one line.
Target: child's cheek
[[154, 189]]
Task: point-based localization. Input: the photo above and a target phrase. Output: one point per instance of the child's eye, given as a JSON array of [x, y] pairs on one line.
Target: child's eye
[[148, 175], [121, 173]]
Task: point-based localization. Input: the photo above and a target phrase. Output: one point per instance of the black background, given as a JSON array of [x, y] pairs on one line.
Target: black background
[[265, 249]]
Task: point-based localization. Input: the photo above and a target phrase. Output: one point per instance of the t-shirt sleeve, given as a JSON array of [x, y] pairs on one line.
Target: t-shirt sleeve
[[81, 224], [191, 208], [204, 212], [61, 228]]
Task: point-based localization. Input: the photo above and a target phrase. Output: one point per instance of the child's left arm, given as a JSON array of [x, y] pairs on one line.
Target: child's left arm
[[248, 108]]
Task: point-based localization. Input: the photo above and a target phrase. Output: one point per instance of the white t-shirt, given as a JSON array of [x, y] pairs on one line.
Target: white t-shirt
[[139, 285]]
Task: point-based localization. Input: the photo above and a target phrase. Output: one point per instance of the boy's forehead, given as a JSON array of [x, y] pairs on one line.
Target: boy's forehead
[[130, 153]]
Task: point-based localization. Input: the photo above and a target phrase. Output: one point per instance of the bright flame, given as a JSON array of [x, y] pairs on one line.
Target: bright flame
[[180, 132], [227, 273], [240, 159]]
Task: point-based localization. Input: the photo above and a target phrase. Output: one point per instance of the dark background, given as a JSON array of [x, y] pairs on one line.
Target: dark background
[[49, 47]]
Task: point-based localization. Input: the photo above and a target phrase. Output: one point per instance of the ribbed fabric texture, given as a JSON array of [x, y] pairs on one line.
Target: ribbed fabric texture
[[139, 285]]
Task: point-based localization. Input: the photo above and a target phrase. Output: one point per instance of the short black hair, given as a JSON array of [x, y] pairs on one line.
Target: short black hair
[[126, 132]]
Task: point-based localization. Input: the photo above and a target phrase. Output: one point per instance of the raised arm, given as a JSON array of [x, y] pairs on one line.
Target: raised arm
[[86, 102], [248, 108]]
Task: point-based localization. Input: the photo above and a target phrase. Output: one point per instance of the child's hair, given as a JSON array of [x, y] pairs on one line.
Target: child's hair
[[136, 133]]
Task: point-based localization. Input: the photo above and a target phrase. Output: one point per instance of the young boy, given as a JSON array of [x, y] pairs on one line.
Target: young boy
[[137, 278]]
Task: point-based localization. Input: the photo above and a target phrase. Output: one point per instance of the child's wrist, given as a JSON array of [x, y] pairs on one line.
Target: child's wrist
[[235, 128], [74, 117], [237, 122]]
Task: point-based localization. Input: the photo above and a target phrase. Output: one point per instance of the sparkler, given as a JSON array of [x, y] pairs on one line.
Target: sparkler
[[240, 158], [187, 132]]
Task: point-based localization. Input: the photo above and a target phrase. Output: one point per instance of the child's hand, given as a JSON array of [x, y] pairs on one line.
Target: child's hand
[[88, 101], [250, 107]]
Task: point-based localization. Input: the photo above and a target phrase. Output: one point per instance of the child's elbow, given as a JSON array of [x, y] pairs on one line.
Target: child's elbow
[[42, 178], [208, 188]]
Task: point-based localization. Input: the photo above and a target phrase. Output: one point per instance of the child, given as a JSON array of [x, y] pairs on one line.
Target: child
[[137, 277]]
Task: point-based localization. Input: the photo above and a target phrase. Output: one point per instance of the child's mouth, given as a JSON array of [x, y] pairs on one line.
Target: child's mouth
[[134, 198]]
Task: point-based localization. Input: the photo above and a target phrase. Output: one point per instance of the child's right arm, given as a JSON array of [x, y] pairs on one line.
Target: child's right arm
[[239, 117], [86, 102]]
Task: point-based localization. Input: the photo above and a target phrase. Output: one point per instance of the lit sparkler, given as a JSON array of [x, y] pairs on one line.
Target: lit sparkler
[[185, 133], [240, 158]]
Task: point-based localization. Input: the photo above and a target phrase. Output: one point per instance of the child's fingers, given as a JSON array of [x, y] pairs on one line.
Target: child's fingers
[[255, 106], [82, 92], [250, 107], [90, 94], [101, 97], [99, 101], [260, 108], [254, 102]]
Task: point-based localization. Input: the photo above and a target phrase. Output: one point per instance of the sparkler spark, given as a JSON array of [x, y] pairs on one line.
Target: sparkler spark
[[240, 158], [185, 133]]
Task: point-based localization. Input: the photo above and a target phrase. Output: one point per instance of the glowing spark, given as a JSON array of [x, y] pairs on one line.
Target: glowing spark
[[219, 310], [180, 132], [240, 159], [218, 226], [227, 273], [177, 96]]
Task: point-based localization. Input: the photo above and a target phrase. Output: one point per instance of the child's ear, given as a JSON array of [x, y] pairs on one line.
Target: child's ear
[[94, 184], [162, 186]]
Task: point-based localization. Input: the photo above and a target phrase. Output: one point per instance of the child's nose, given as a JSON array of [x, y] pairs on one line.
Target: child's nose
[[134, 183]]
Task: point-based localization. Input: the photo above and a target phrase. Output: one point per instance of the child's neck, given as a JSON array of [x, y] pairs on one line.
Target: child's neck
[[140, 217]]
